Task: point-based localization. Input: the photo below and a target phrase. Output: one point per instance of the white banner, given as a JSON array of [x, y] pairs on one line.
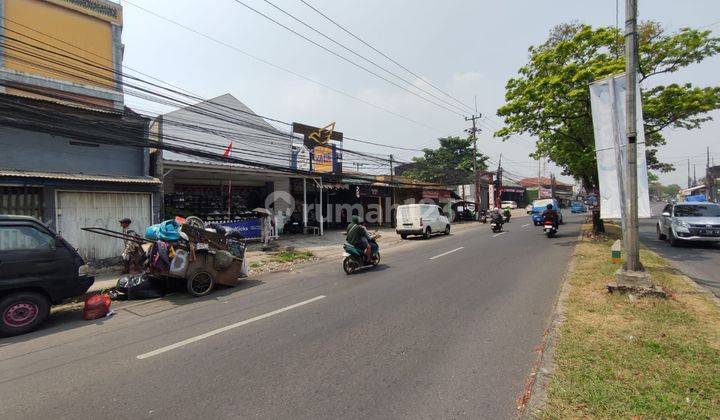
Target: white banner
[[607, 98]]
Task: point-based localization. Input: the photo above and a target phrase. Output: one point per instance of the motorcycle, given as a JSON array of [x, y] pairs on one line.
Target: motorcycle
[[549, 228], [482, 216], [496, 224], [354, 258]]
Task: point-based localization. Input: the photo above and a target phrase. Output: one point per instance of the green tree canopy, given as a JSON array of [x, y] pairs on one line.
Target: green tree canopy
[[550, 98], [450, 164]]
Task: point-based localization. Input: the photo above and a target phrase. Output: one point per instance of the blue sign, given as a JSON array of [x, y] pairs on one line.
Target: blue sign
[[248, 228]]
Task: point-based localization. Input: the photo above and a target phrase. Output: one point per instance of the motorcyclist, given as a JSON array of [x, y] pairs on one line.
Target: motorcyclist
[[550, 214], [496, 216], [506, 213], [359, 237]]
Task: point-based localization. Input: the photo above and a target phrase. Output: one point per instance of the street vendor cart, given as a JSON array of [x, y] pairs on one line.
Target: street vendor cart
[[201, 258]]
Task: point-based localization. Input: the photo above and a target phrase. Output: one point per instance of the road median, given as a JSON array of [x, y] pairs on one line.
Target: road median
[[620, 356]]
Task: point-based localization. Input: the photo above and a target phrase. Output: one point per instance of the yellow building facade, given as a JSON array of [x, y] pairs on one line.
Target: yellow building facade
[[68, 51]]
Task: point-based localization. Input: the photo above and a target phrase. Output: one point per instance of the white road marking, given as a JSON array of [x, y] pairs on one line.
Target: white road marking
[[226, 328], [498, 234], [445, 253], [525, 225]]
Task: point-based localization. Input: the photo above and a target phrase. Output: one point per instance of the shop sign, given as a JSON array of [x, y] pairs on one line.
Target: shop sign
[[323, 159], [303, 159], [545, 193], [314, 136], [249, 228], [433, 194], [513, 189]]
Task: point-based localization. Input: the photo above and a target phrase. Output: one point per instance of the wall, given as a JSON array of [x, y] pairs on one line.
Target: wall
[[89, 32], [30, 150]]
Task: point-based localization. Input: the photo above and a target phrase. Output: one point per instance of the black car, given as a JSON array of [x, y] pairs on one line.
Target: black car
[[37, 268]]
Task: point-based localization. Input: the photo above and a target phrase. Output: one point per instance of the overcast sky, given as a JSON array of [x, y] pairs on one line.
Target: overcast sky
[[466, 48]]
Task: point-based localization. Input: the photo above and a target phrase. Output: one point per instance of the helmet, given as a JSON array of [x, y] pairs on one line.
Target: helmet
[[549, 206], [356, 219]]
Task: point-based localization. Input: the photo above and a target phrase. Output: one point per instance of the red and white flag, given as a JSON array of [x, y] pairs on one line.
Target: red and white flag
[[228, 150]]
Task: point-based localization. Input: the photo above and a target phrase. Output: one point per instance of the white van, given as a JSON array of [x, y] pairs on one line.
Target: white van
[[421, 219]]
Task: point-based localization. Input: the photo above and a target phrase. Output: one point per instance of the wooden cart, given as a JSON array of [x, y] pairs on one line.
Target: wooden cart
[[209, 262]]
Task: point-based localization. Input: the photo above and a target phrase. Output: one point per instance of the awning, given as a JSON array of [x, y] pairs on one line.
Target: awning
[[14, 173]]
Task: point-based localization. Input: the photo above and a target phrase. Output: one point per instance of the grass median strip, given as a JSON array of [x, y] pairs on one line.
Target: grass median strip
[[644, 358]]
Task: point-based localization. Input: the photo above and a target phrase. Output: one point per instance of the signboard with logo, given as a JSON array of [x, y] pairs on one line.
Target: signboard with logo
[[321, 142]]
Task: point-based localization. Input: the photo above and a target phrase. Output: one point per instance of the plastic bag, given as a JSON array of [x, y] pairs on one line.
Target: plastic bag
[[139, 286], [168, 230], [179, 263], [96, 306], [244, 268]]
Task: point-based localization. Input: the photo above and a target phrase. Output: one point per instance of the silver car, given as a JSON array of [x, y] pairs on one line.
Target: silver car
[[696, 222]]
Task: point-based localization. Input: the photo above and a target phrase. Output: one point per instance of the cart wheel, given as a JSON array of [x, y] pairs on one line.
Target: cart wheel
[[195, 221], [200, 283]]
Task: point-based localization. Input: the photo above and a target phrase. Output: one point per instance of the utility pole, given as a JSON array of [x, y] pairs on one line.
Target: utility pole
[[498, 194], [473, 133], [689, 179], [694, 176], [552, 185], [538, 180], [392, 185], [632, 275]]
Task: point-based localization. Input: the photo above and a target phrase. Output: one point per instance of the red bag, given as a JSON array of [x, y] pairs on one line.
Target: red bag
[[96, 306]]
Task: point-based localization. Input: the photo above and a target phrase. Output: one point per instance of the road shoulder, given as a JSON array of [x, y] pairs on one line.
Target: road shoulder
[[618, 356]]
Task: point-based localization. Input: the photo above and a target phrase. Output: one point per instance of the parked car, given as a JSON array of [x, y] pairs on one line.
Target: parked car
[[421, 219], [539, 206], [508, 205], [37, 268], [577, 207], [689, 222]]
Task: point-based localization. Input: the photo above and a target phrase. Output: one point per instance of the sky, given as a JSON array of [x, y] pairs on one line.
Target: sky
[[468, 49]]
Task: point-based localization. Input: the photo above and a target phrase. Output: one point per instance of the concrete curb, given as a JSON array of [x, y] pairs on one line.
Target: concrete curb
[[534, 396]]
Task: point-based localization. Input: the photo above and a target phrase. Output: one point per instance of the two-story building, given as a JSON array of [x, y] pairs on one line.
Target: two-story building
[[71, 152]]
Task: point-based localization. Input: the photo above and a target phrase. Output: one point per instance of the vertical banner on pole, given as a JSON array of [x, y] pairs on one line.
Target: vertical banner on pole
[[607, 98]]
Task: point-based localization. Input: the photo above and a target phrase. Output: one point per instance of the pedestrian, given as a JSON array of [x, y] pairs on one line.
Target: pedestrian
[[132, 255]]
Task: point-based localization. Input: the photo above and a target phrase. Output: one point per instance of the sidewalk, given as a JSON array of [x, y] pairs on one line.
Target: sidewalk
[[321, 247]]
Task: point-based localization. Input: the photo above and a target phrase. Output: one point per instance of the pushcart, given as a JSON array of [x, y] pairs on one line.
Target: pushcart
[[208, 259]]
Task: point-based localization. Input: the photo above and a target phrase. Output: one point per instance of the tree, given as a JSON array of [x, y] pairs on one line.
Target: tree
[[550, 98], [449, 164]]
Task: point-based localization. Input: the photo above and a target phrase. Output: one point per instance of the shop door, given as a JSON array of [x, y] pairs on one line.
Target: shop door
[[76, 210]]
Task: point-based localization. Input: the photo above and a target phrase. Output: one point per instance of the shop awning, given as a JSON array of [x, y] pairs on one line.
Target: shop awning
[[13, 173]]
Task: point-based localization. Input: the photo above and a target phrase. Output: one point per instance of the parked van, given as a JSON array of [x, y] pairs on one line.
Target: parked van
[[37, 268], [421, 219]]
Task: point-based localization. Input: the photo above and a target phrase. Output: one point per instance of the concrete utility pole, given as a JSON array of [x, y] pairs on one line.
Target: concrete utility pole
[[689, 179], [632, 275], [473, 133], [392, 185]]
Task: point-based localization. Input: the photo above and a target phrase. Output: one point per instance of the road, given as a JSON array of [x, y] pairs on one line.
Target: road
[[698, 261], [444, 328]]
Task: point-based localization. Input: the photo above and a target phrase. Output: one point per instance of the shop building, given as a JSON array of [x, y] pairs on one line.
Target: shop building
[[64, 130], [220, 191]]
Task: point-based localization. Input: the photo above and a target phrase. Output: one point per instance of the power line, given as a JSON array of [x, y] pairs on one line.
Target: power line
[[278, 67], [360, 66], [355, 53], [385, 55], [174, 101]]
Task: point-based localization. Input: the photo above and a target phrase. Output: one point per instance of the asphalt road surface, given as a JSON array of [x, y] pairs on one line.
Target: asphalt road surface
[[443, 328], [699, 261]]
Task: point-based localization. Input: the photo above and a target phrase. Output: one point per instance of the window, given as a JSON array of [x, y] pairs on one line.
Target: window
[[14, 238], [709, 210]]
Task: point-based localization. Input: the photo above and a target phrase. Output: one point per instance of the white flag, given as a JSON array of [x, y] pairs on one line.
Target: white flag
[[607, 98]]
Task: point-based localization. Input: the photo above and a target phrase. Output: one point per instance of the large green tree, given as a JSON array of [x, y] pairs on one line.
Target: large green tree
[[450, 164], [550, 98]]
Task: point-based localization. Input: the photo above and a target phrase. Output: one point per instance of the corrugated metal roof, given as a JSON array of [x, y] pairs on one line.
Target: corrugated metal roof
[[78, 177]]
